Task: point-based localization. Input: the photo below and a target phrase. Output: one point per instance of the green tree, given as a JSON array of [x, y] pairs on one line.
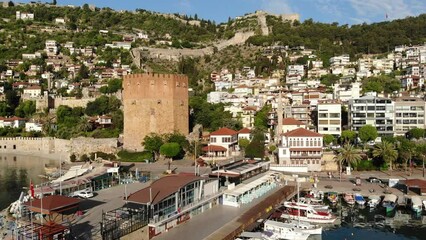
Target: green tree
[[406, 150], [416, 133], [367, 133], [25, 109], [346, 155], [261, 118], [386, 151], [348, 136], [153, 143], [328, 139], [179, 139], [256, 148], [170, 150], [421, 152]]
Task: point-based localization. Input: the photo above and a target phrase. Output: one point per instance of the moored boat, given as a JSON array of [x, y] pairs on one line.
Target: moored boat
[[333, 197], [306, 213], [359, 199], [389, 202], [279, 230], [349, 198], [305, 227], [416, 204], [373, 201]]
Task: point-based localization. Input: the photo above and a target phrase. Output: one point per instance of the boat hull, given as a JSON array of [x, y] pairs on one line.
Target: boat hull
[[309, 219]]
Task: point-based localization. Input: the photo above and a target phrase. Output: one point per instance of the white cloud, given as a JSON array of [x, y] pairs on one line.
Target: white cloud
[[277, 6], [394, 9]]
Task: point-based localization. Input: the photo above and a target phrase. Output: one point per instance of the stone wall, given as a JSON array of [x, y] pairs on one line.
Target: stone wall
[[72, 102], [55, 146]]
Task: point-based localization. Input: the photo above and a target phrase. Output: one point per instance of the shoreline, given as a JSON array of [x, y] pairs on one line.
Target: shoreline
[[47, 156]]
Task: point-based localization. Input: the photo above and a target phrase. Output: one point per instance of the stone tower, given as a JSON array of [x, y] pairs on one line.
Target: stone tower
[[153, 103]]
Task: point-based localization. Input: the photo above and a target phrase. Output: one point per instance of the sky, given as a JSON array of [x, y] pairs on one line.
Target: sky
[[341, 11]]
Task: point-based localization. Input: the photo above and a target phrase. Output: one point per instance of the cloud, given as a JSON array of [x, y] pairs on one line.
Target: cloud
[[394, 9], [277, 6]]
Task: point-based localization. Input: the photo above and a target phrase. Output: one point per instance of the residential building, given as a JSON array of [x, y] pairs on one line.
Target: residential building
[[409, 114], [33, 91], [52, 47], [372, 110], [301, 112], [290, 124], [301, 147], [13, 122], [247, 116], [329, 117], [223, 143], [33, 127], [244, 133], [345, 92], [342, 60], [24, 16]]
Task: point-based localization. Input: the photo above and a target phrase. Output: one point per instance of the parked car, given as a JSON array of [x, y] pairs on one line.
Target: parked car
[[85, 194], [374, 180]]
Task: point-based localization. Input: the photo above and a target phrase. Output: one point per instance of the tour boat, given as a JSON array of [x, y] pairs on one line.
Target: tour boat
[[333, 197], [374, 201], [306, 213], [314, 204], [389, 202], [349, 198], [305, 227], [416, 204], [359, 199], [278, 230]]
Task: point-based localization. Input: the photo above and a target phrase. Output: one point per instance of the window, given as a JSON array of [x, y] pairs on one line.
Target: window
[[284, 151], [213, 139], [323, 115], [370, 115]]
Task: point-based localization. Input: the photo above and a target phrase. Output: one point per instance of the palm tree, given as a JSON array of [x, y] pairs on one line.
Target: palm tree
[[386, 151], [347, 154], [421, 152]]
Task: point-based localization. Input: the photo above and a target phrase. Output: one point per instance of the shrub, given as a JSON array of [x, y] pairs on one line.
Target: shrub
[[103, 155], [84, 158], [73, 157], [126, 156]]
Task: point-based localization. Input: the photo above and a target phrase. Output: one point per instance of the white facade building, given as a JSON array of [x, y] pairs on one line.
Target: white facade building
[[329, 117], [409, 114]]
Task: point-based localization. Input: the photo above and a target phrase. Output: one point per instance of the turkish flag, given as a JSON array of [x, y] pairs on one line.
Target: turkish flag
[[31, 189]]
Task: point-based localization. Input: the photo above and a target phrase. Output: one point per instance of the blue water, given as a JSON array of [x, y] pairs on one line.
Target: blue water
[[352, 233]]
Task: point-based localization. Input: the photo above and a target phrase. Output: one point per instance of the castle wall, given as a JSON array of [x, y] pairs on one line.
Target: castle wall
[[153, 103], [49, 145]]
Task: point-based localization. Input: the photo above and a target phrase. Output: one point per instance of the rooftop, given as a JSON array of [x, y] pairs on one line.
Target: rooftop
[[301, 132], [292, 121], [223, 131]]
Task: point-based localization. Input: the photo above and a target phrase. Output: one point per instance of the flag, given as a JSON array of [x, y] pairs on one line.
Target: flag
[[31, 189]]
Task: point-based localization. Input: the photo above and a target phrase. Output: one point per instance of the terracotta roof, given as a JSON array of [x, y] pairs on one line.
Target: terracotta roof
[[245, 130], [162, 188], [52, 203], [214, 148], [301, 132], [249, 108], [223, 131], [292, 121]]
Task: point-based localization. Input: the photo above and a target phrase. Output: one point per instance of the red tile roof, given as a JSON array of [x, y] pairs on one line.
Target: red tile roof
[[223, 131], [301, 132], [53, 203], [162, 188], [305, 149], [249, 108], [245, 130], [292, 121], [214, 148]]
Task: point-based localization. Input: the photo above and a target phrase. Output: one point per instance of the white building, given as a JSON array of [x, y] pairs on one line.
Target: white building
[[51, 47], [371, 110], [345, 92], [24, 16], [223, 143], [33, 91], [329, 117], [296, 70], [409, 114], [342, 60], [13, 122], [33, 127], [301, 147]]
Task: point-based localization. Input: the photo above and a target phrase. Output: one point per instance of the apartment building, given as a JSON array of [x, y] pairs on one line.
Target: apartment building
[[329, 117], [301, 112], [409, 114], [372, 110]]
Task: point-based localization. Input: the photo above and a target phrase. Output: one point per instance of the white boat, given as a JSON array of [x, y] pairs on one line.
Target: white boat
[[278, 230], [314, 204], [389, 202], [305, 227], [306, 213], [349, 198], [416, 204], [359, 199], [374, 201], [424, 204]]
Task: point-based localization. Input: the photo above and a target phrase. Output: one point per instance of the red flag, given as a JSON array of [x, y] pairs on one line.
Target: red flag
[[31, 189]]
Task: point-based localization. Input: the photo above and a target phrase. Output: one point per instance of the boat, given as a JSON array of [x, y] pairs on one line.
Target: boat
[[279, 230], [389, 202], [416, 204], [306, 213], [333, 197], [359, 199], [424, 204], [305, 227], [349, 198], [374, 201], [314, 204]]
